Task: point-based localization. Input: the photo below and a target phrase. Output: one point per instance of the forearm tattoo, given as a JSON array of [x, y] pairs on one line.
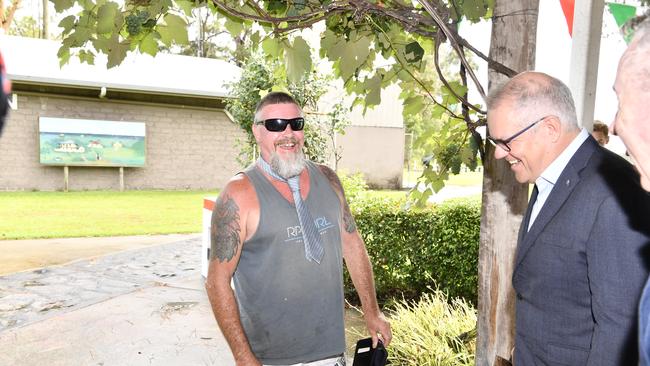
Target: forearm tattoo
[[224, 229], [348, 221]]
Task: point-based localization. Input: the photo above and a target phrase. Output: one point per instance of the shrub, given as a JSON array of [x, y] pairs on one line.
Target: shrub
[[433, 331], [354, 186], [410, 249]]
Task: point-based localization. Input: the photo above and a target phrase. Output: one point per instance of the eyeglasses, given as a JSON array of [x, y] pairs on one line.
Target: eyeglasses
[[504, 144], [279, 124]]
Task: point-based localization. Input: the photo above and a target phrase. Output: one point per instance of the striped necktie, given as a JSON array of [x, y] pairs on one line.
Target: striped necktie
[[310, 235]]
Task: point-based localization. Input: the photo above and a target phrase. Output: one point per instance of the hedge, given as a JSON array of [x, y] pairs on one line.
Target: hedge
[[414, 250]]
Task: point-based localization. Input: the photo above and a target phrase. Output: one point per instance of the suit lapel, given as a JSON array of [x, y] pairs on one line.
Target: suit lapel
[[561, 191]]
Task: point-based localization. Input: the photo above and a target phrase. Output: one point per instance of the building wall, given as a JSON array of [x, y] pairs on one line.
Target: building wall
[[377, 152], [187, 148]]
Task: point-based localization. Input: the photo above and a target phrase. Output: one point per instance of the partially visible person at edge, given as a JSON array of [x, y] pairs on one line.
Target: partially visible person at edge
[[578, 270], [600, 132], [287, 306], [632, 125], [5, 89]]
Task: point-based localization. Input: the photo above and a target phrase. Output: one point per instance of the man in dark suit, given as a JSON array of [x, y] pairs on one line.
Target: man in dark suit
[[632, 88], [579, 268]]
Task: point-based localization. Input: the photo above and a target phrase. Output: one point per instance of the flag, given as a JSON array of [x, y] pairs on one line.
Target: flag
[[622, 13], [567, 9]]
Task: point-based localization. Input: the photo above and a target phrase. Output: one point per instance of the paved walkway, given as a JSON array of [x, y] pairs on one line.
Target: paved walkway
[[138, 307]]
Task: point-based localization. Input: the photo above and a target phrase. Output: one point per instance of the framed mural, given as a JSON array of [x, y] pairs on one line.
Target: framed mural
[[82, 142]]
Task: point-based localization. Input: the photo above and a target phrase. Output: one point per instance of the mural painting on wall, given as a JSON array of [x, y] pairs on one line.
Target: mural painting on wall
[[65, 141]]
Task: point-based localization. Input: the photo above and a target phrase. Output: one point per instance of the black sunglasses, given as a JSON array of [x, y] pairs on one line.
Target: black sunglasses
[[505, 143], [279, 124]]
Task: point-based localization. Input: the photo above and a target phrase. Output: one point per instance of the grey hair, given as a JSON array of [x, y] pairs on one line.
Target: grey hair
[[641, 28], [274, 98], [535, 95], [638, 53]]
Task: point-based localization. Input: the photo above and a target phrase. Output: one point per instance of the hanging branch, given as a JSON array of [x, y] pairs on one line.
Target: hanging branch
[[454, 44]]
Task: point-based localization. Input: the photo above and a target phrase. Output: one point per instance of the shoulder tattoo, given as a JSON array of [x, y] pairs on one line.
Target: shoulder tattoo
[[348, 221], [224, 229]]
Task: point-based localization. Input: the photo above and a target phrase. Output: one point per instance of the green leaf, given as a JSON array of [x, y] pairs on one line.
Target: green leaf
[[413, 52], [165, 35], [186, 6], [175, 30], [116, 53], [87, 57], [255, 39], [102, 44], [81, 35], [457, 87], [271, 47], [298, 58], [61, 5], [413, 105], [373, 86], [474, 9], [327, 40], [64, 55], [106, 18], [351, 54], [234, 26], [67, 23], [148, 44]]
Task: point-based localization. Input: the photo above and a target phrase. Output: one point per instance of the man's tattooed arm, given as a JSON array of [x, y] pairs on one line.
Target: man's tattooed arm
[[348, 220], [224, 229]]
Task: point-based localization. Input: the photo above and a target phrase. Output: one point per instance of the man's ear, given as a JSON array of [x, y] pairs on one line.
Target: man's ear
[[256, 131], [553, 127]]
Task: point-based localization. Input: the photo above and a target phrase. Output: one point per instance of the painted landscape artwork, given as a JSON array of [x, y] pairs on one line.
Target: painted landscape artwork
[[65, 141]]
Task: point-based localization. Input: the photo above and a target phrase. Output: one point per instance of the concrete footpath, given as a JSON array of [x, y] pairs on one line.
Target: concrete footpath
[[137, 307]]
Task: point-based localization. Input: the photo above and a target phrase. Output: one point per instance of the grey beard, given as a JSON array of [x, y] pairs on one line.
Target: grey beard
[[288, 168]]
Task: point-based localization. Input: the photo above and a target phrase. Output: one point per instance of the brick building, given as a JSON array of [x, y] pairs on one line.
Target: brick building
[[190, 141]]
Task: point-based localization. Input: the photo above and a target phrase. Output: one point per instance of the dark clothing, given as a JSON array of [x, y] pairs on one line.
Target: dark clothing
[[579, 270]]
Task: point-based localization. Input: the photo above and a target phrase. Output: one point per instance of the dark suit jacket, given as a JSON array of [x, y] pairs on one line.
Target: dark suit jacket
[[580, 269]]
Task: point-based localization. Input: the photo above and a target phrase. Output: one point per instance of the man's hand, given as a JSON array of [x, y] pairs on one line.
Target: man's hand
[[378, 327]]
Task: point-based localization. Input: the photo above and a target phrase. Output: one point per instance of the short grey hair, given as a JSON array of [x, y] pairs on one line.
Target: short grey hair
[[535, 95], [274, 98], [638, 53], [641, 28]]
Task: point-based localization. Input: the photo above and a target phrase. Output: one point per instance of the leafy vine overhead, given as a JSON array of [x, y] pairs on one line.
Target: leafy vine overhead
[[371, 44]]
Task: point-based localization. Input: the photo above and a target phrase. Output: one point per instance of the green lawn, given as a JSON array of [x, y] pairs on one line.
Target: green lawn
[[465, 179], [99, 213]]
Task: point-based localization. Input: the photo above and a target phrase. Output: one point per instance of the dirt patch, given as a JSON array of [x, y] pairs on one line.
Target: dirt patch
[[22, 255]]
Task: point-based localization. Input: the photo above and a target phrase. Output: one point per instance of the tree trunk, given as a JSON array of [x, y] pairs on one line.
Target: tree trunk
[[46, 20], [7, 16], [514, 27]]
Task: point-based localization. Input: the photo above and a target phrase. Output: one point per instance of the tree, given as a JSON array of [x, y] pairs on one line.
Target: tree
[[7, 13], [258, 79], [371, 44], [25, 27], [213, 40], [504, 200]]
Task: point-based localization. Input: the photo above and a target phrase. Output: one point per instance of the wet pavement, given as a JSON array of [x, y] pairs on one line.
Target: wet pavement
[[139, 307]]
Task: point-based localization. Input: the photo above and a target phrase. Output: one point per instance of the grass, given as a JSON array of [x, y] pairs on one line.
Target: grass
[[433, 332], [31, 215], [464, 179], [39, 215]]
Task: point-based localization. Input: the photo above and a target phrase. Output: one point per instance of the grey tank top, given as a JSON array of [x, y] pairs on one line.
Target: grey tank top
[[292, 309]]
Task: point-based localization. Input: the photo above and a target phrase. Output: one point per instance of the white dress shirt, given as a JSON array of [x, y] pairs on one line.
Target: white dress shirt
[[550, 175]]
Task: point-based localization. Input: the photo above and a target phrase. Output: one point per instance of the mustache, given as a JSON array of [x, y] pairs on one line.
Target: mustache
[[286, 140]]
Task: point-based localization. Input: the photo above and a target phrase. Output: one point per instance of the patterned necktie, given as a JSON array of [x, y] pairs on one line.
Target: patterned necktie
[[310, 235]]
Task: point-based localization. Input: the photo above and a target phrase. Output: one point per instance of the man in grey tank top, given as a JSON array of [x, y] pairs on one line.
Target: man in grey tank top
[[279, 234]]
